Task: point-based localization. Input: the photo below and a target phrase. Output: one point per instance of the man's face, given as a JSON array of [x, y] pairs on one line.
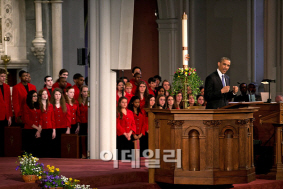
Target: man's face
[[24, 77], [138, 78], [157, 82], [224, 66], [81, 81], [2, 78], [62, 83], [137, 70], [243, 88], [252, 88], [29, 77], [49, 82]]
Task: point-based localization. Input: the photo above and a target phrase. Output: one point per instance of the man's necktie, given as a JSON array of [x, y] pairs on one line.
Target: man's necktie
[[223, 81]]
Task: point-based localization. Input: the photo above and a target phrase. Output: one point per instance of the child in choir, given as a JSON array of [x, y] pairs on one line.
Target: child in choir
[[192, 100], [5, 108], [160, 91], [139, 117], [170, 103], [142, 93], [152, 85], [128, 88], [178, 100], [73, 106], [62, 117], [150, 103], [126, 126], [62, 73], [200, 100], [48, 82], [83, 119], [121, 91], [47, 123], [166, 86], [79, 81], [31, 119], [137, 78], [160, 102]]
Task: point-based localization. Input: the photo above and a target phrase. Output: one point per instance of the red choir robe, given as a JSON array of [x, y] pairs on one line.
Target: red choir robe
[[5, 103]]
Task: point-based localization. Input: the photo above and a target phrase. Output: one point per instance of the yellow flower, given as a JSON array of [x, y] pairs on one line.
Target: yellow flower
[[53, 167], [48, 166], [70, 179], [52, 171], [57, 169], [39, 177], [66, 183]]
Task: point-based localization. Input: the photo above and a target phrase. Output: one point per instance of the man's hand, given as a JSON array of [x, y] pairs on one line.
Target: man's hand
[[225, 89], [235, 89]]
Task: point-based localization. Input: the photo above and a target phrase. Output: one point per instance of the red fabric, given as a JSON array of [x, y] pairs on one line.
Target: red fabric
[[132, 81], [128, 96], [49, 95], [74, 112], [62, 119], [150, 91], [56, 85], [77, 92], [5, 103], [19, 96], [142, 103], [47, 120], [31, 117], [83, 113], [126, 124], [145, 128], [140, 123]]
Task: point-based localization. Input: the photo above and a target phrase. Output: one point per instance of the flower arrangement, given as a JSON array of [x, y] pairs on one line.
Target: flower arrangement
[[29, 165], [51, 178], [188, 76]]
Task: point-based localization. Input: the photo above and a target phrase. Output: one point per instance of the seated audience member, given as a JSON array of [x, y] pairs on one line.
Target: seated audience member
[[19, 95], [192, 100], [32, 129], [48, 82], [74, 109], [79, 81], [151, 84], [62, 83], [252, 91], [83, 119], [167, 87], [128, 88], [125, 123], [157, 80], [160, 102], [121, 91], [125, 79], [160, 91], [62, 73], [201, 89], [170, 103], [5, 108], [178, 100], [47, 122], [243, 97], [62, 116], [200, 100], [142, 93], [279, 98]]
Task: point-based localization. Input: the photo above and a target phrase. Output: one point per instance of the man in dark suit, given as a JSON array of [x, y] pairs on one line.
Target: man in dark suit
[[217, 89]]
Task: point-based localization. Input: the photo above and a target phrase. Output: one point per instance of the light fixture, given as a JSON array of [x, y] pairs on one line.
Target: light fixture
[[265, 82]]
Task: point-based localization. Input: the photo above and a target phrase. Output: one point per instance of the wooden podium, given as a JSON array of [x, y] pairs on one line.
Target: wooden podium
[[268, 123], [216, 146]]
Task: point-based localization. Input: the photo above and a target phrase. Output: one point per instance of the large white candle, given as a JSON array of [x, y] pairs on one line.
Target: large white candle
[[185, 40], [5, 45]]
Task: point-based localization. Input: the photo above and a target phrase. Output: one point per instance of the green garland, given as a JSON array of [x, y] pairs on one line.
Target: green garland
[[193, 80]]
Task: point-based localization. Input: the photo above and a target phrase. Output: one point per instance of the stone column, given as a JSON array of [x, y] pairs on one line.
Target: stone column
[[57, 39], [39, 42]]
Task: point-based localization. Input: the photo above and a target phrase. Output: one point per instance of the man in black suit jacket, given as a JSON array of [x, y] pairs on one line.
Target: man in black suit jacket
[[217, 89]]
